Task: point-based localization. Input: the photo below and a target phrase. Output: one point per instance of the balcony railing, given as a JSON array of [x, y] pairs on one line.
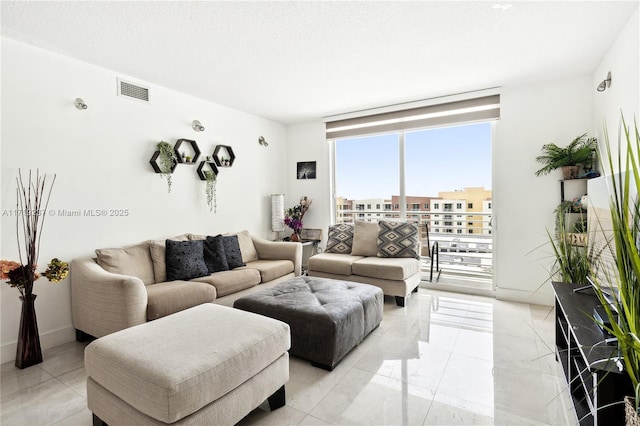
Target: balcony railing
[[465, 245]]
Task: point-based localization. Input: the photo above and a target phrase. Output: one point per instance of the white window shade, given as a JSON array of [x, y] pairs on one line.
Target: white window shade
[[277, 212], [456, 112]]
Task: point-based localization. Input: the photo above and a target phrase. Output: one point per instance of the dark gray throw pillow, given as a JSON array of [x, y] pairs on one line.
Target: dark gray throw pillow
[[214, 256], [232, 251], [185, 260]]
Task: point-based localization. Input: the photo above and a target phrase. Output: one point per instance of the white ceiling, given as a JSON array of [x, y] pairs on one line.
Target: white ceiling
[[297, 61]]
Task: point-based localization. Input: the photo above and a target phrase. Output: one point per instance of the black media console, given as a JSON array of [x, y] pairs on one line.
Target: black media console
[[594, 374]]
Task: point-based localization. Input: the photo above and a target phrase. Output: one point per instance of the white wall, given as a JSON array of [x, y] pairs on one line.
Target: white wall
[[623, 96], [530, 116], [101, 158], [307, 143]]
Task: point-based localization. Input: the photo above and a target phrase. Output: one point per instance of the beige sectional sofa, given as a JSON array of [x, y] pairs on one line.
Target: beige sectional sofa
[[126, 286], [384, 254]]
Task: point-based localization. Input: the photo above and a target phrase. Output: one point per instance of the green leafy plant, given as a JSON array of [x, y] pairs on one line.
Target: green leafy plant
[[572, 261], [625, 216], [166, 160], [211, 179], [581, 151]]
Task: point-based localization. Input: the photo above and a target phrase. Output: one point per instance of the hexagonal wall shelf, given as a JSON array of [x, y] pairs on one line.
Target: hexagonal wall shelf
[[194, 148], [223, 156], [210, 165], [156, 166]]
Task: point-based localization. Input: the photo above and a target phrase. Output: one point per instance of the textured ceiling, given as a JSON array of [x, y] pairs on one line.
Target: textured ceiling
[[297, 61]]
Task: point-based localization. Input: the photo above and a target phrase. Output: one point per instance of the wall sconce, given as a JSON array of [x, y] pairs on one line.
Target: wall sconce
[[605, 84], [197, 126], [263, 142], [79, 103]]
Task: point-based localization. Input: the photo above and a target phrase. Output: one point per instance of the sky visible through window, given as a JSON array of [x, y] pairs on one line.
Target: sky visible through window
[[442, 159]]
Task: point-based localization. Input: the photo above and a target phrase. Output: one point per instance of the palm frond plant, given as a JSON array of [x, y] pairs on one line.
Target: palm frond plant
[[166, 160], [581, 151], [211, 179], [625, 217]]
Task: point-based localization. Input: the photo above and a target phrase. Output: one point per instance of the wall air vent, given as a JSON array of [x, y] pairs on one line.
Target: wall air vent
[[133, 91]]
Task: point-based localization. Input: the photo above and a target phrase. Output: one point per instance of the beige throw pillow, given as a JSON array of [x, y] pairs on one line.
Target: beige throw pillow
[[365, 239], [131, 260], [248, 250]]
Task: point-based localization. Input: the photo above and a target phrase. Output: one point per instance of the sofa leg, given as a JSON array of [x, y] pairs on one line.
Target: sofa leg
[[415, 290], [400, 301], [278, 399], [81, 336], [97, 421], [323, 366]]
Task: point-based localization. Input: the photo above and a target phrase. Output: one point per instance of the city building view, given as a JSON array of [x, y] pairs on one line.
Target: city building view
[[456, 223]]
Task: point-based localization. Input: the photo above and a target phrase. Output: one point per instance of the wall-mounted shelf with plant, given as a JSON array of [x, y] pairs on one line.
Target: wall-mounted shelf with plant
[[580, 152], [164, 161], [208, 172], [223, 156], [189, 153]]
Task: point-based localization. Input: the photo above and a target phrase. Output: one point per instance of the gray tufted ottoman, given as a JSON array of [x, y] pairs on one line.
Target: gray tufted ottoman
[[327, 317]]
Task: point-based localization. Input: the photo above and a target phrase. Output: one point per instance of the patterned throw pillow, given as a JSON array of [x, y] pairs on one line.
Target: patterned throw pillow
[[340, 238], [397, 239], [185, 260], [232, 251], [214, 255]]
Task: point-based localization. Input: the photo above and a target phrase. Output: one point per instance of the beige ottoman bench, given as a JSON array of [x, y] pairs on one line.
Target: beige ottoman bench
[[209, 364]]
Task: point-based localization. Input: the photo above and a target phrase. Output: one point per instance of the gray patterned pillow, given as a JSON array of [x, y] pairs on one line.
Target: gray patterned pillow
[[397, 239], [340, 238]]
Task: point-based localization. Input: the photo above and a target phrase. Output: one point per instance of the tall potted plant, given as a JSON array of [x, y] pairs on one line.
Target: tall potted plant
[[580, 151], [625, 216]]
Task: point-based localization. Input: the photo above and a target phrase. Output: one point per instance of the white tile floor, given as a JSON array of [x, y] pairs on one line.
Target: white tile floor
[[444, 359]]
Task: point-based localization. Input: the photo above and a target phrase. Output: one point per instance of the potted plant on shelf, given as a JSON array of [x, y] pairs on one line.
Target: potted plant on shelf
[[571, 261], [166, 159], [625, 217], [581, 151], [210, 190]]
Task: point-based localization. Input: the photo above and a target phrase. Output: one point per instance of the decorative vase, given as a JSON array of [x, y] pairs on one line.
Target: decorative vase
[[295, 237], [28, 352]]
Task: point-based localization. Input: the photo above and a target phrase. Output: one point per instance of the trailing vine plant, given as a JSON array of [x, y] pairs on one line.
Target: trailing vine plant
[[211, 179], [166, 160]]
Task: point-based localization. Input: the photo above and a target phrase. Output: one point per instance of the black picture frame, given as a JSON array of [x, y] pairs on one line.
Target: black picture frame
[[306, 170]]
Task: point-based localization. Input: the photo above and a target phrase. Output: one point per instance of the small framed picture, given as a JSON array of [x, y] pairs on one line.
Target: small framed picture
[[306, 170]]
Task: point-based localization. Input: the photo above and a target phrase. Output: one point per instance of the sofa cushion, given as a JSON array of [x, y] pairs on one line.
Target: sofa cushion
[[185, 260], [214, 255], [158, 256], [132, 260], [271, 269], [397, 239], [247, 249], [340, 238], [332, 263], [170, 297], [398, 268], [227, 282], [365, 239], [232, 251]]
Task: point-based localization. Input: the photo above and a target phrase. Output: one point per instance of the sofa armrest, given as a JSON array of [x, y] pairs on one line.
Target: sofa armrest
[[279, 250], [103, 302]]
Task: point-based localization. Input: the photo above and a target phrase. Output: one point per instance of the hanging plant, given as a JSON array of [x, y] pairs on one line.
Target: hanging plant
[[211, 179], [166, 159]]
